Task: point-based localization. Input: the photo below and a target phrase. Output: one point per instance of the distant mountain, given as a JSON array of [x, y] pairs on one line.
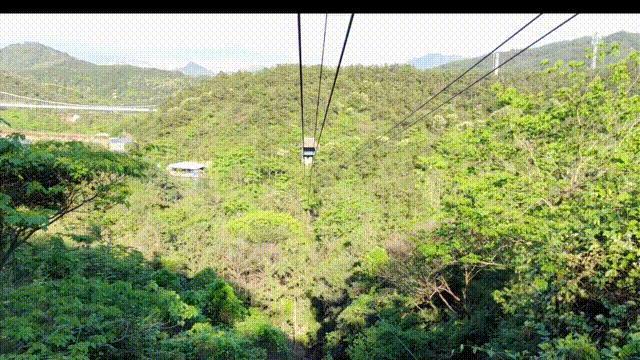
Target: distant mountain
[[193, 69], [33, 56], [100, 83], [569, 50], [433, 60]]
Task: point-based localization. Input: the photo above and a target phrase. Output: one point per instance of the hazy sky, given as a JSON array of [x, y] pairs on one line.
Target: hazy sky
[[231, 42]]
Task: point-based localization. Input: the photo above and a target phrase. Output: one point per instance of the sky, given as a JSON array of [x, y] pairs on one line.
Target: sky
[[231, 42]]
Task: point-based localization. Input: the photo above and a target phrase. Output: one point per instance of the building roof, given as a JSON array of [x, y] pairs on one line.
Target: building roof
[[186, 165]]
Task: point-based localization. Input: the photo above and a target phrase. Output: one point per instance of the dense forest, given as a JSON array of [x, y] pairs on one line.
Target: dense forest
[[504, 226]]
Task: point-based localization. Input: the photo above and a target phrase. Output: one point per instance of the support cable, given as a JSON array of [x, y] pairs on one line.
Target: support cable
[[335, 78]]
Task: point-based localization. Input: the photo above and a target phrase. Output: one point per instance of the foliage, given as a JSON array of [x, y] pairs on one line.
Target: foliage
[[543, 190], [106, 302], [265, 226], [41, 183], [503, 226]]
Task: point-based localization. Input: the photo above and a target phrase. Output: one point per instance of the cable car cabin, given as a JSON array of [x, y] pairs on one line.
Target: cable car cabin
[[308, 150]]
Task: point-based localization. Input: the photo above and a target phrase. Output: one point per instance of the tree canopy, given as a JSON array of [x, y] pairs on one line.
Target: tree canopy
[[41, 183]]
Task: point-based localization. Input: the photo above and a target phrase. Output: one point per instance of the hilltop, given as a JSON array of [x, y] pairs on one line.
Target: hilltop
[[32, 55], [193, 69], [569, 50], [430, 61], [96, 83]]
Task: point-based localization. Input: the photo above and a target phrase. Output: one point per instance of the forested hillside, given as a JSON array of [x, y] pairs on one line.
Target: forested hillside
[[72, 79], [503, 226]]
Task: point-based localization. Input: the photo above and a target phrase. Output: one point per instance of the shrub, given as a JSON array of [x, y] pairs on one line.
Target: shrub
[[266, 226]]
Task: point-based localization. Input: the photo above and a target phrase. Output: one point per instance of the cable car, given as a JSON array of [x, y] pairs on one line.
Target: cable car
[[308, 150]]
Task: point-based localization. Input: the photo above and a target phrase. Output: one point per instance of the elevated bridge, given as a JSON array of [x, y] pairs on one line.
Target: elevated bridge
[[9, 100]]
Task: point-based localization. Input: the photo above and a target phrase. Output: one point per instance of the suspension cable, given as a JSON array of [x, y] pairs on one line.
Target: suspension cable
[[324, 37], [301, 91], [487, 74], [335, 78], [446, 87], [491, 71]]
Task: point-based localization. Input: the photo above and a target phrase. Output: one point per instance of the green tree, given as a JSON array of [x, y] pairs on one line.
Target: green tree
[[108, 302], [42, 182]]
